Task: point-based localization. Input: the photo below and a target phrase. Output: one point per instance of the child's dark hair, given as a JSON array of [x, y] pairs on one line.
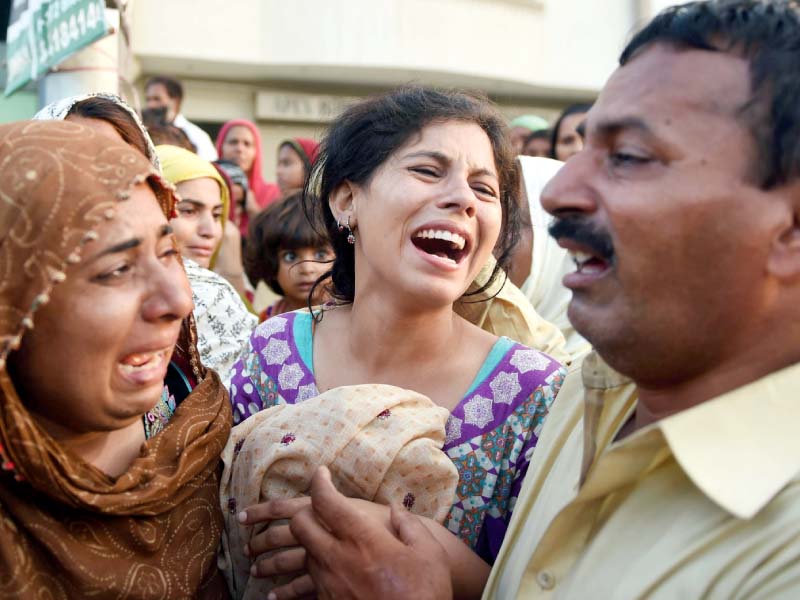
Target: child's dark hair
[[281, 226]]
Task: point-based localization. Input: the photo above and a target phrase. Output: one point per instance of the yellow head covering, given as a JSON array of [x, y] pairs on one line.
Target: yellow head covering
[[179, 165]]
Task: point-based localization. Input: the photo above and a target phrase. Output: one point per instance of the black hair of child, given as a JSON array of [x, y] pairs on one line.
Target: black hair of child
[[283, 225]]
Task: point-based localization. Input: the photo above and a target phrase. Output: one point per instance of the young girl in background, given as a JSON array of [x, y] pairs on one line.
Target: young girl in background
[[296, 156], [284, 251]]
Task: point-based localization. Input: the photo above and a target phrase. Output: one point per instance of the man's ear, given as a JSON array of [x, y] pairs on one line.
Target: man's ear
[[784, 258], [342, 204]]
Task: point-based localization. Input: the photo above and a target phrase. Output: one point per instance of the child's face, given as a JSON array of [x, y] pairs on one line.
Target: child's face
[[298, 269]]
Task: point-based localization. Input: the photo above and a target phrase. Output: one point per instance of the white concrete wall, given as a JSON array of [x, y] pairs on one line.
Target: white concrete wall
[[515, 47], [535, 55]]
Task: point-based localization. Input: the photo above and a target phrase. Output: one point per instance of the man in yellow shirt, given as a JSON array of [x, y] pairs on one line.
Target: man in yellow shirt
[[680, 478]]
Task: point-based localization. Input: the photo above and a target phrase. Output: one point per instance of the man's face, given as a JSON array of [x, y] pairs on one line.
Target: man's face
[[156, 96], [671, 234]]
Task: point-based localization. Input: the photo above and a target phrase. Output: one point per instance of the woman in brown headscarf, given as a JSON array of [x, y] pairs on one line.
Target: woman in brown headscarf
[[93, 299]]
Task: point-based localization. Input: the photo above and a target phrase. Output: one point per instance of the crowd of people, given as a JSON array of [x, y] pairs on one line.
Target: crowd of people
[[501, 359]]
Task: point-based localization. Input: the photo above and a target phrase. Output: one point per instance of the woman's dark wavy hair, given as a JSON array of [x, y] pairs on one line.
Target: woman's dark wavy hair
[[366, 134], [766, 33]]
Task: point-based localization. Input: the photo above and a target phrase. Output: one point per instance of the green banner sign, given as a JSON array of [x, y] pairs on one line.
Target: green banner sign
[[42, 33]]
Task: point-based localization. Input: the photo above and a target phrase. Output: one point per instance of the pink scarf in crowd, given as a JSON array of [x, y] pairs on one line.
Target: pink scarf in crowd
[[265, 192]]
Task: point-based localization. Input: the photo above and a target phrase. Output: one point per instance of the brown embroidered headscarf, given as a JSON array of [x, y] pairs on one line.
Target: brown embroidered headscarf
[[68, 530]]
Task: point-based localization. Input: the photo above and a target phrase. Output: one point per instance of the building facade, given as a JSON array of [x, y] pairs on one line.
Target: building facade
[[291, 66]]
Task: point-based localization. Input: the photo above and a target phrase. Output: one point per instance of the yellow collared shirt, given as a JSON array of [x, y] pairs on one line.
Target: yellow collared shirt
[[703, 504]]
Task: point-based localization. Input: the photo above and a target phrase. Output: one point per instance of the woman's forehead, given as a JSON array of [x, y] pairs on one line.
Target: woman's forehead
[[239, 132], [453, 140]]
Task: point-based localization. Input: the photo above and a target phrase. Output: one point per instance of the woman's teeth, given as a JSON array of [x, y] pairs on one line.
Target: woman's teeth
[[440, 234], [444, 256], [133, 362]]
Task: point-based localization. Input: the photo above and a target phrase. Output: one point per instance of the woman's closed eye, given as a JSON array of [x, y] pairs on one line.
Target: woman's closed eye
[[425, 170], [113, 274], [484, 190]]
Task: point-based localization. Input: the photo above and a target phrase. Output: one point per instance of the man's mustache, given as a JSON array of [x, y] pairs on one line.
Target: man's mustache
[[584, 232]]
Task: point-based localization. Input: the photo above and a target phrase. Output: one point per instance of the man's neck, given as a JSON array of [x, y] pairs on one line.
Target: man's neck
[[659, 402]]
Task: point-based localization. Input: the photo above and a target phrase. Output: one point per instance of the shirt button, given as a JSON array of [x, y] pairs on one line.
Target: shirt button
[[546, 580]]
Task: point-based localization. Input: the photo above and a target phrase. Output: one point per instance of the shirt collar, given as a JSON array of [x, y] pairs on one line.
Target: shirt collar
[[741, 448]]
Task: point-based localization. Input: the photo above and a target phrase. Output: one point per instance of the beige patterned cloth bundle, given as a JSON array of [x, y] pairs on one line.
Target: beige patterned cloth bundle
[[381, 443]]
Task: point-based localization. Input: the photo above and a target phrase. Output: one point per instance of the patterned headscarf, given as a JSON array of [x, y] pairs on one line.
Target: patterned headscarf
[[68, 529]]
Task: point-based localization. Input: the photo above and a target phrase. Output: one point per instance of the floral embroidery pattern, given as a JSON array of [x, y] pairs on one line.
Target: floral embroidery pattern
[[530, 360], [157, 417], [223, 322], [505, 387], [478, 411], [290, 376], [276, 352]]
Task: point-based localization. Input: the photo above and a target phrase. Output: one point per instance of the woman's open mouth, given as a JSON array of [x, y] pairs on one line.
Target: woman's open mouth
[[449, 246], [144, 368]]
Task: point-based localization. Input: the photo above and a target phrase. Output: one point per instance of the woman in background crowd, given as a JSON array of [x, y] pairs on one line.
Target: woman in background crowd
[[565, 140], [522, 127], [538, 144], [103, 468], [202, 209], [295, 159], [238, 185], [240, 141]]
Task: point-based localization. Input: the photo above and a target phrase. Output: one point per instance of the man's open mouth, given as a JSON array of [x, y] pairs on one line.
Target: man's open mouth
[[588, 263], [442, 243]]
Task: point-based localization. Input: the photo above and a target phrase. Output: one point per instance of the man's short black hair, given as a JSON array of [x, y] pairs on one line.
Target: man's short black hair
[[766, 33], [173, 86]]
